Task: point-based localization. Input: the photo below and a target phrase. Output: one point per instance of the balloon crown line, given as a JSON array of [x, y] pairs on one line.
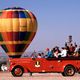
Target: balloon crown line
[[15, 8]]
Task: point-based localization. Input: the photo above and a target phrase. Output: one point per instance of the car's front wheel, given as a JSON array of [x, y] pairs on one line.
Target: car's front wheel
[[17, 71]]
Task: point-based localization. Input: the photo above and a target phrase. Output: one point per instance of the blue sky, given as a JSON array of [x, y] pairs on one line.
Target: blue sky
[[56, 20]]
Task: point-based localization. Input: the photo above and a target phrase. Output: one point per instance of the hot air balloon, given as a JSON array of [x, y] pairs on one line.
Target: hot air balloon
[[17, 29]]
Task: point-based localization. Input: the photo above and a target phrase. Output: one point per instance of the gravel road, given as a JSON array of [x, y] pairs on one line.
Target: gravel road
[[38, 76]]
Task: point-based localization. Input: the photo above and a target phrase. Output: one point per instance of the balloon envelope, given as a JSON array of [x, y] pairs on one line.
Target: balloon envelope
[[17, 29]]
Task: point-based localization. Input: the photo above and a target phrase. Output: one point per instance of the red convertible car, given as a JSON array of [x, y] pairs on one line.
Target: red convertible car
[[66, 66]]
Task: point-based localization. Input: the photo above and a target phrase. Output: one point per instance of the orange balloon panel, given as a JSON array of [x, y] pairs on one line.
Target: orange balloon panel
[[17, 29]]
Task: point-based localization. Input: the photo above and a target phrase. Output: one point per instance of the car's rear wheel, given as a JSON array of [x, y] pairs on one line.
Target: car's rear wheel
[[69, 71], [17, 71]]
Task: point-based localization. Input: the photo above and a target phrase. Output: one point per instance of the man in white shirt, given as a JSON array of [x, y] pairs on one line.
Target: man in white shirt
[[63, 52]]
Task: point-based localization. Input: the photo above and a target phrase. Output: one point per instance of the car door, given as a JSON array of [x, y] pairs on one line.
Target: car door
[[52, 65], [37, 65]]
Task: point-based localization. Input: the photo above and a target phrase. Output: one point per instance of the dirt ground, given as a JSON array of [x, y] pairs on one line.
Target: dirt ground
[[38, 76]]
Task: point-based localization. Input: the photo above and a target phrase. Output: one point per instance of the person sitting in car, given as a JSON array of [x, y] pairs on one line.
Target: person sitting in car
[[56, 52], [63, 52], [49, 53], [39, 55]]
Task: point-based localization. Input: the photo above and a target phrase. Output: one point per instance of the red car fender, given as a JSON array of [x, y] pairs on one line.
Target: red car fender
[[68, 65], [13, 66]]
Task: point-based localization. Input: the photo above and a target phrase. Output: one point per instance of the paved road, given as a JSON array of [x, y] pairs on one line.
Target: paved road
[[36, 76]]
